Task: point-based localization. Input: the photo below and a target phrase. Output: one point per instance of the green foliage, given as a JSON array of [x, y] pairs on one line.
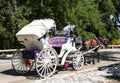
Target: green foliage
[[115, 42], [91, 17], [113, 33]]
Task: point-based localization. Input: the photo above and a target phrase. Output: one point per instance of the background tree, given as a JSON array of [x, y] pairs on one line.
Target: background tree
[[108, 7], [6, 24], [91, 17]]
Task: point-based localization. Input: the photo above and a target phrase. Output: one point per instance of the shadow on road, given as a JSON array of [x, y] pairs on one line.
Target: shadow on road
[[113, 70], [104, 56], [110, 56], [31, 75]]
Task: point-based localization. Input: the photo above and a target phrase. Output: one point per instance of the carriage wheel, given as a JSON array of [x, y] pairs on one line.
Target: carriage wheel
[[19, 64], [46, 62], [78, 61]]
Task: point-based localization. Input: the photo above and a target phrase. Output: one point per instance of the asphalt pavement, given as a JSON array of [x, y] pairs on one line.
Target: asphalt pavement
[[8, 75]]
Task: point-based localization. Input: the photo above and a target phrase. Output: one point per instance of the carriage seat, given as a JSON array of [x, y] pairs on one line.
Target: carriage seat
[[58, 41]]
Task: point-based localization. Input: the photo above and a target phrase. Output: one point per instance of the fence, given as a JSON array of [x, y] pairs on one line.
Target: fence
[[111, 46], [7, 52]]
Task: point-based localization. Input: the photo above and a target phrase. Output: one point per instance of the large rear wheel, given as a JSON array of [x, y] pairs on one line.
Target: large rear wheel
[[19, 64]]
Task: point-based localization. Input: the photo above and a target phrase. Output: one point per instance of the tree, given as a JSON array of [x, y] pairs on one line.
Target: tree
[[107, 8], [6, 24], [89, 18]]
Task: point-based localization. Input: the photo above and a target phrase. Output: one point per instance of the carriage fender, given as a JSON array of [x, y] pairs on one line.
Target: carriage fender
[[64, 57]]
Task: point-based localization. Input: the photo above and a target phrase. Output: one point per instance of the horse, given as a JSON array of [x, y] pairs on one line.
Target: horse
[[94, 43]]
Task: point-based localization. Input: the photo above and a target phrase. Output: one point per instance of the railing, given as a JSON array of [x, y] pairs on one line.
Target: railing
[[111, 46], [8, 50]]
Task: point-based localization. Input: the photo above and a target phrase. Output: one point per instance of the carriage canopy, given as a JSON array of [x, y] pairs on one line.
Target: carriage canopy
[[37, 28], [30, 34]]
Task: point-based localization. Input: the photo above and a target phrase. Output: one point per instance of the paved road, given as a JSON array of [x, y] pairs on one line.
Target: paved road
[[8, 75]]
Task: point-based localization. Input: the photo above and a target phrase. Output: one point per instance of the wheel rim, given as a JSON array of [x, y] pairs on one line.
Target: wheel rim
[[78, 61], [46, 63], [19, 64]]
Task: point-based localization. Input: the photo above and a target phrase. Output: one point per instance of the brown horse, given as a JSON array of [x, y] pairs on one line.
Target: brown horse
[[94, 43]]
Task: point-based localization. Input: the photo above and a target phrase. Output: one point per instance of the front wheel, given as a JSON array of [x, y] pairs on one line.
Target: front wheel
[[78, 61], [46, 62]]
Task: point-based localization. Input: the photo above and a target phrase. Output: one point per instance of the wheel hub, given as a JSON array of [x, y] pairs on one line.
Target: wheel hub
[[46, 61]]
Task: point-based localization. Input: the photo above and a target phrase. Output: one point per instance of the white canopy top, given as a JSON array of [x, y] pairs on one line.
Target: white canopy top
[[37, 27], [31, 34]]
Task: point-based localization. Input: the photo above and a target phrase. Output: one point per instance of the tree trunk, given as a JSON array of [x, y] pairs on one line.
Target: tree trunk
[[15, 22]]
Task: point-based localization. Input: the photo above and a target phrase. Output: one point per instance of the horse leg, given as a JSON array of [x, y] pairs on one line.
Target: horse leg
[[93, 59], [94, 56], [85, 63], [98, 57]]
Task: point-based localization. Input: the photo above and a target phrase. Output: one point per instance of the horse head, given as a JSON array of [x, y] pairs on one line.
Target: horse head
[[86, 43], [104, 41]]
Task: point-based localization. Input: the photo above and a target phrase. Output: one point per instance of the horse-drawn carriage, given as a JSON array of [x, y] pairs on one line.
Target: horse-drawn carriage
[[46, 56]]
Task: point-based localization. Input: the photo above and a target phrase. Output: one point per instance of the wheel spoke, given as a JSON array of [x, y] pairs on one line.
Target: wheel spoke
[[17, 66], [53, 61], [39, 65], [49, 69], [18, 63], [51, 66], [41, 68], [45, 71]]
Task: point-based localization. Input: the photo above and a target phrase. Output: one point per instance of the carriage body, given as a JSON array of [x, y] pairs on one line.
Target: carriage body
[[46, 56]]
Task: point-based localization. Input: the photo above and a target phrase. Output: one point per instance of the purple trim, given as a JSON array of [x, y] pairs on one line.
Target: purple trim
[[58, 41], [35, 53]]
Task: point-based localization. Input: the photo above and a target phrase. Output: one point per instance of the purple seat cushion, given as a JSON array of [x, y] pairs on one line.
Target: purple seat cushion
[[58, 41]]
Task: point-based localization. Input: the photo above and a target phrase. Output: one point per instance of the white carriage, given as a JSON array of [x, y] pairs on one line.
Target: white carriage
[[47, 56]]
